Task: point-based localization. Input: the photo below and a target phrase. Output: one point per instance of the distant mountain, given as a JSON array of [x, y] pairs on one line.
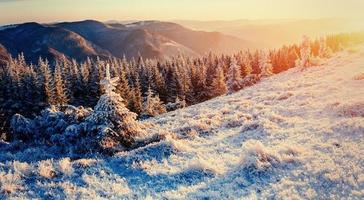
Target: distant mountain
[[200, 41], [121, 40], [50, 42], [79, 40], [276, 32]]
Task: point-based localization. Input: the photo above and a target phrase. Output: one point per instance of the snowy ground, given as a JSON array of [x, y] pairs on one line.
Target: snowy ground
[[296, 135]]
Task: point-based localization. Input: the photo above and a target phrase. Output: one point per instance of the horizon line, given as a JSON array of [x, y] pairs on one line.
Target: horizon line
[[178, 20]]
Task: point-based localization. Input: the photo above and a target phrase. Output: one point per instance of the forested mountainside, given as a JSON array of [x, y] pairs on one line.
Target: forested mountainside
[[173, 83], [293, 135]]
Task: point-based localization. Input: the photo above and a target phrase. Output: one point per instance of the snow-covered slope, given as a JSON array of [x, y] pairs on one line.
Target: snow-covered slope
[[296, 135]]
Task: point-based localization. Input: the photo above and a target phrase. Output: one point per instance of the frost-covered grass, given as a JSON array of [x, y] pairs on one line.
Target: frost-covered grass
[[296, 135]]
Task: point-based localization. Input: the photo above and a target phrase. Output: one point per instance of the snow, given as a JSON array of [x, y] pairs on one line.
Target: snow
[[170, 44], [139, 24], [109, 83], [130, 25], [295, 135], [7, 27]]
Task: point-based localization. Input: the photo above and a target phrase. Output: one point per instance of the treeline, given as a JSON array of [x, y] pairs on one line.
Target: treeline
[[170, 84]]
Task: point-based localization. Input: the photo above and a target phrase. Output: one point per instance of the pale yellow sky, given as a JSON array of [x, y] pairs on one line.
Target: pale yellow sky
[[15, 11]]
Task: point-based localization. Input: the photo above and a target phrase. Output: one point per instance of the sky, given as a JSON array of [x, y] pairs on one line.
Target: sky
[[16, 11]]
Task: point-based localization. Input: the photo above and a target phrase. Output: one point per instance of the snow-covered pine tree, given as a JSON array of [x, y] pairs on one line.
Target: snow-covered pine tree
[[21, 128], [265, 65], [123, 86], [135, 103], [47, 82], [84, 74], [184, 84], [247, 66], [198, 83], [171, 82], [158, 82], [305, 53], [77, 84], [114, 124], [234, 76], [324, 50], [67, 78], [147, 103], [32, 87], [152, 105], [93, 83], [60, 93], [144, 73], [218, 86]]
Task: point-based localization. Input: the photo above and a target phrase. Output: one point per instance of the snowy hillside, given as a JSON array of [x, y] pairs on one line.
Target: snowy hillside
[[296, 135]]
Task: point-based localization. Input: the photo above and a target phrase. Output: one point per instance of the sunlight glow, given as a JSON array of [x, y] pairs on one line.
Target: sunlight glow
[[14, 11]]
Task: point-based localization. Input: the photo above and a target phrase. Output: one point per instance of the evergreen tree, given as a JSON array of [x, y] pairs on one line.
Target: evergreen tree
[[324, 50], [67, 78], [247, 66], [201, 90], [60, 95], [158, 82], [123, 86], [136, 99], [198, 83], [305, 54], [218, 86], [78, 89], [265, 66], [93, 83], [172, 83], [47, 82], [234, 76], [254, 61], [114, 124], [152, 105], [32, 88], [184, 84]]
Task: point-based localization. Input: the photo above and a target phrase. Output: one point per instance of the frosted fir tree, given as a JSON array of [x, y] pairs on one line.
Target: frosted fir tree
[[218, 86], [135, 103], [248, 69], [305, 54], [109, 83], [234, 76], [152, 105], [59, 87], [324, 50], [21, 127], [123, 86], [265, 65], [112, 122], [46, 80]]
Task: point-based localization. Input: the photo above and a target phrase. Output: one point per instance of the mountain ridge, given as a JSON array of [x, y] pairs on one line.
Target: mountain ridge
[[37, 40], [91, 38]]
